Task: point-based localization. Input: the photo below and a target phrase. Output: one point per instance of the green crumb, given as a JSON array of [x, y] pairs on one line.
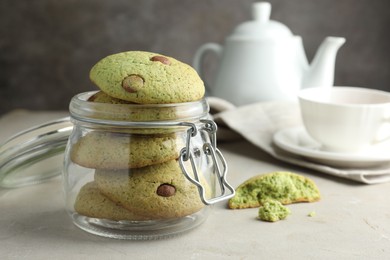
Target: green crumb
[[311, 214], [272, 211]]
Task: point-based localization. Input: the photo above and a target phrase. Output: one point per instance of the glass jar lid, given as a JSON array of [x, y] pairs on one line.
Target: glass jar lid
[[34, 155]]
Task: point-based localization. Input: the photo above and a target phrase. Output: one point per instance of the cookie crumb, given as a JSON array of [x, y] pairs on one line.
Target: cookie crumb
[[272, 211], [311, 214]]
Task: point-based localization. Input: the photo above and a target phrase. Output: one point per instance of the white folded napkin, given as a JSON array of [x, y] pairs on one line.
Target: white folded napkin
[[258, 123]]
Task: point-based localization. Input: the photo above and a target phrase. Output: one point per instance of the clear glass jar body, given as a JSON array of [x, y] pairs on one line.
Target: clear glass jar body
[[130, 170]]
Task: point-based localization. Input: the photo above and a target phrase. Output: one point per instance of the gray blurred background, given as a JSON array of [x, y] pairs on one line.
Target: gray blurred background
[[48, 46]]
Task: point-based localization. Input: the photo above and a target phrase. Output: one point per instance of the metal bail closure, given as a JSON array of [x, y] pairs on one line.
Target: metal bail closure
[[209, 149]]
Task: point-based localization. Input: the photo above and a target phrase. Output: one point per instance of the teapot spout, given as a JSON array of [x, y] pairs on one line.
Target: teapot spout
[[321, 70]]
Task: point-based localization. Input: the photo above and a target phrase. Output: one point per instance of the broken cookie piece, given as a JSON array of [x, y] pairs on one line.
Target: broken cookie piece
[[285, 187], [272, 211]]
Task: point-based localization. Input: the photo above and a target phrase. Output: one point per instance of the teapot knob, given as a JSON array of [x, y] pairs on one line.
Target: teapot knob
[[261, 11]]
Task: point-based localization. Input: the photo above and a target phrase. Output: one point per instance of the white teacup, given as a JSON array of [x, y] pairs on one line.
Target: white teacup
[[346, 119]]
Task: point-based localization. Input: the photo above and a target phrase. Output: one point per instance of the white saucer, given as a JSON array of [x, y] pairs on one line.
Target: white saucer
[[297, 141]]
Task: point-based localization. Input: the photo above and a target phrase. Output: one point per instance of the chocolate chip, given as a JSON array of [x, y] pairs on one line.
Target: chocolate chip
[[133, 83], [166, 190], [162, 59]]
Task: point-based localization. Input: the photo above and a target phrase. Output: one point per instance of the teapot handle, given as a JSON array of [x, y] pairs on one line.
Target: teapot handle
[[199, 55]]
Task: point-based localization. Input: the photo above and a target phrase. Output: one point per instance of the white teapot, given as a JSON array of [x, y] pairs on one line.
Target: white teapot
[[262, 60]]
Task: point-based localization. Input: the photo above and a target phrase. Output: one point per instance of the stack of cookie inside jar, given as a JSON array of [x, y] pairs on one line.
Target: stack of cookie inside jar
[[124, 159]]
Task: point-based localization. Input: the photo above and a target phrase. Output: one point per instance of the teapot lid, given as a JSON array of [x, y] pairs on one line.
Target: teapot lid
[[261, 27]]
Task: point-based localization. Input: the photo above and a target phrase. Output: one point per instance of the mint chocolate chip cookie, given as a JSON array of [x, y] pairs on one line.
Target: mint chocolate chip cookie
[[108, 150], [159, 191], [92, 203], [147, 78]]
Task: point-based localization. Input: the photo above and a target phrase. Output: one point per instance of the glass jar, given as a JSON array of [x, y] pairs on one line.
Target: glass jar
[[142, 171]]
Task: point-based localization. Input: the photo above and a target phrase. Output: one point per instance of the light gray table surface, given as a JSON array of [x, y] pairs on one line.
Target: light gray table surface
[[352, 220]]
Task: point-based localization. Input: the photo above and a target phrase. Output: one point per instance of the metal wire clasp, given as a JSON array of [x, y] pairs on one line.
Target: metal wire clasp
[[219, 163]]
